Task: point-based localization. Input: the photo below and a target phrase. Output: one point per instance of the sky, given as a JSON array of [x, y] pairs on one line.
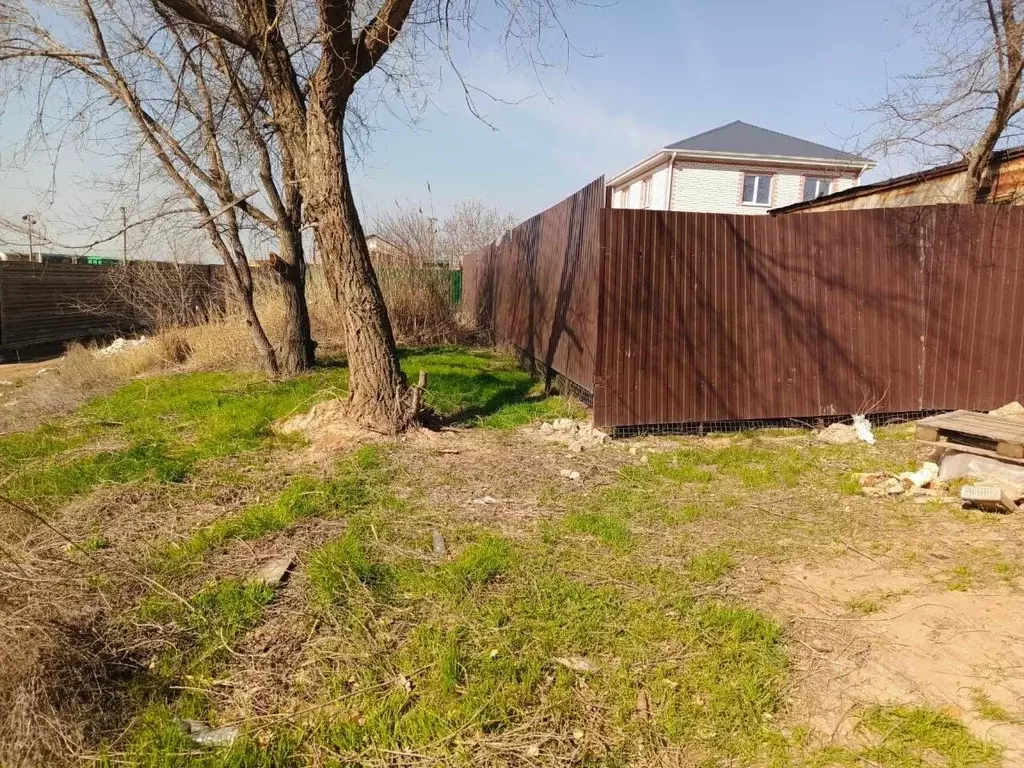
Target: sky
[[649, 72]]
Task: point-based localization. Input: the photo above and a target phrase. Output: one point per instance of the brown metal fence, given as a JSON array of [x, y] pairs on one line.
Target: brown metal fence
[[708, 318], [537, 288], [53, 303], [685, 318]]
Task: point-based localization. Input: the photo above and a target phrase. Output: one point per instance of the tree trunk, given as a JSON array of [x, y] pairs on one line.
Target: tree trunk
[[379, 397], [264, 349], [298, 350]]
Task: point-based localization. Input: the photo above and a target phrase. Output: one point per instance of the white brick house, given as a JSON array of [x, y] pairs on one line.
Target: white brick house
[[736, 168]]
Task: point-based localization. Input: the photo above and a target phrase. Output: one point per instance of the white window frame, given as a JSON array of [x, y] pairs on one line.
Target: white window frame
[[818, 181], [645, 191], [757, 184]]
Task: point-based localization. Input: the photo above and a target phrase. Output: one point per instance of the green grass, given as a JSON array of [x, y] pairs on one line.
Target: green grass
[[961, 579], [989, 709], [160, 429], [609, 529], [912, 736], [213, 619], [467, 648], [709, 567], [357, 481]]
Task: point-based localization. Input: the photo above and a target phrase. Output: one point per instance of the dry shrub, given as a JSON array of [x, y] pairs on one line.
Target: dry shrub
[[419, 304]]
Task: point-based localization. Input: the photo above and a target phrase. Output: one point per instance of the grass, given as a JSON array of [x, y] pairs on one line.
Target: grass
[[874, 603], [989, 709], [604, 635], [961, 579], [159, 429], [351, 488], [912, 736]]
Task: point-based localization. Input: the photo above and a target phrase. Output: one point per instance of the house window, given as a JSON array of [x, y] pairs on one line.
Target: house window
[[757, 189], [816, 187], [645, 193]]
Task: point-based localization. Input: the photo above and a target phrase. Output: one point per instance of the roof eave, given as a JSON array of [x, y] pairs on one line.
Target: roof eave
[[859, 162], [638, 168]]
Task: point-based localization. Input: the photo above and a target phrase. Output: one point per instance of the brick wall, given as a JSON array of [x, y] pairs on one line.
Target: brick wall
[[718, 188], [710, 188]]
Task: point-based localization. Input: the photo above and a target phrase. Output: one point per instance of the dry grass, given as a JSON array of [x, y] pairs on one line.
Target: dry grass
[[418, 300]]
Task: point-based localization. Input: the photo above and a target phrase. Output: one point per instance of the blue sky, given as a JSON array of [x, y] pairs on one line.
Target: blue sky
[[666, 70], [662, 70]]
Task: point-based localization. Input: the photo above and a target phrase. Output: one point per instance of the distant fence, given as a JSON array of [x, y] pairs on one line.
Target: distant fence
[[709, 318], [54, 303], [537, 287]]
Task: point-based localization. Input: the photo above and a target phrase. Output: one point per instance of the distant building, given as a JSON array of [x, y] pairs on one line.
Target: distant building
[[943, 184], [382, 250], [736, 168]]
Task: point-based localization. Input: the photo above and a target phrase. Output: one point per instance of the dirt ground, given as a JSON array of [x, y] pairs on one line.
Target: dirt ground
[[904, 601]]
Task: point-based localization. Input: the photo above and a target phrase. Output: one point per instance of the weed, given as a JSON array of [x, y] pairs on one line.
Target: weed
[[217, 616], [868, 604], [342, 567], [608, 529], [989, 709], [961, 579], [911, 736], [708, 567], [480, 563], [356, 479]]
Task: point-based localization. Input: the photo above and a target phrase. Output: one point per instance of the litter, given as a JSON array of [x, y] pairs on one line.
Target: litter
[[845, 434], [275, 571], [863, 428], [206, 736], [437, 543], [1009, 477], [928, 472], [576, 663], [119, 346]]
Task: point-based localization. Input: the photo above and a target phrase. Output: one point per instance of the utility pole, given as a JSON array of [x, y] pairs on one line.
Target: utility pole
[[29, 219], [124, 235]]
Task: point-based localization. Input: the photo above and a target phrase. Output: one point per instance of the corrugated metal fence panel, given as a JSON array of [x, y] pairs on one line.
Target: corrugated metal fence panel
[[43, 303], [537, 287], [708, 317], [51, 303]]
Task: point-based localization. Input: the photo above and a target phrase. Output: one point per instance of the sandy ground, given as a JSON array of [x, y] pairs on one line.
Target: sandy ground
[[15, 372]]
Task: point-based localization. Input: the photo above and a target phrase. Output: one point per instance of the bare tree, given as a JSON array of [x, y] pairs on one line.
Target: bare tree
[[189, 102], [968, 98], [422, 239], [312, 54]]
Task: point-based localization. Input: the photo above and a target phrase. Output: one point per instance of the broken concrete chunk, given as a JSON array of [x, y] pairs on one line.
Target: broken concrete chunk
[[990, 497], [576, 446], [563, 425], [275, 571], [571, 474]]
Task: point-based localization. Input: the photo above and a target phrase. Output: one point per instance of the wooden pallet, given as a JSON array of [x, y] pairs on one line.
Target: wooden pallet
[[999, 435]]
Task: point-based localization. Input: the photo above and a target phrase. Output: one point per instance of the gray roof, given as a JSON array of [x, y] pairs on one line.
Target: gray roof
[[739, 138]]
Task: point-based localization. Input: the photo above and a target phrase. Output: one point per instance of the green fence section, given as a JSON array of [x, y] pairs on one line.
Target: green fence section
[[455, 280]]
